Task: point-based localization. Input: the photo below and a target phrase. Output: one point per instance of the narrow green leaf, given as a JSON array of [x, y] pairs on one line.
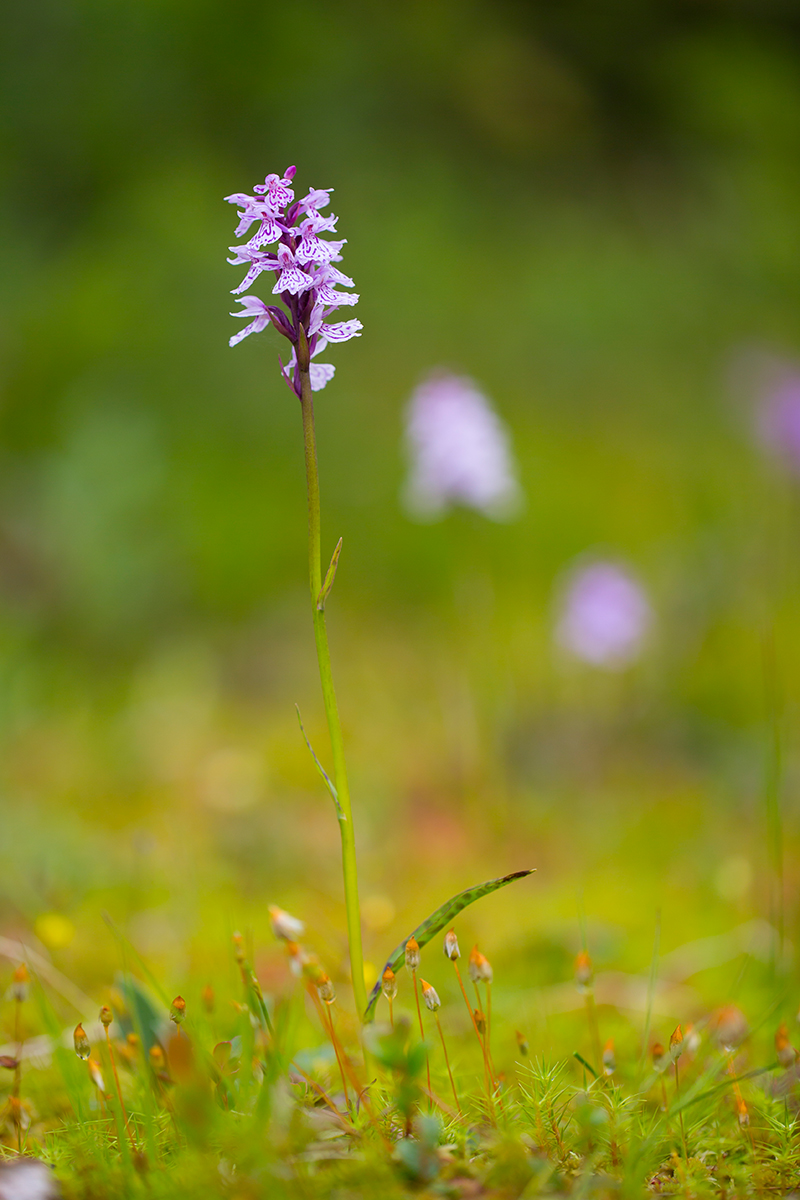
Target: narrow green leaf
[[330, 575], [328, 781], [436, 922]]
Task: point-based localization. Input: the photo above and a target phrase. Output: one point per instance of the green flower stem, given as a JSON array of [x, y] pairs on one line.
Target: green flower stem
[[349, 870]]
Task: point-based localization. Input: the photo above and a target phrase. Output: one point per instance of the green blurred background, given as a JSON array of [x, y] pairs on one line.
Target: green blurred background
[[592, 209]]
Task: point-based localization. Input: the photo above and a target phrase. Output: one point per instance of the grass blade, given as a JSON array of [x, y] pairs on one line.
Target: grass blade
[[436, 922]]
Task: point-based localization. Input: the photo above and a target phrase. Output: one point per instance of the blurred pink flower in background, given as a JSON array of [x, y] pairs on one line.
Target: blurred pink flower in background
[[604, 616], [460, 451], [778, 418], [764, 385]]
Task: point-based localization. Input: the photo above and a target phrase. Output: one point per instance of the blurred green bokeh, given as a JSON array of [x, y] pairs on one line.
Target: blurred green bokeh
[[592, 209]]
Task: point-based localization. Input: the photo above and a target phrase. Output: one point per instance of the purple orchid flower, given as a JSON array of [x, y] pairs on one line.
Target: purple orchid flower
[[460, 451], [605, 615], [288, 242]]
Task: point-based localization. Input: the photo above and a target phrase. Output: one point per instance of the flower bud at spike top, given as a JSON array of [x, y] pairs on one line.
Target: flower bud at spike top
[[583, 969], [156, 1057], [657, 1053], [285, 926], [81, 1042], [480, 1022], [676, 1040], [480, 969], [106, 1016], [325, 989], [389, 984], [288, 245], [413, 958], [19, 983], [430, 996], [238, 948], [522, 1044], [609, 1061], [451, 949], [177, 1010], [207, 998]]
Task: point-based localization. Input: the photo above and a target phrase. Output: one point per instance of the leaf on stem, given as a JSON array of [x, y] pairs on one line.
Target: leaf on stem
[[328, 781], [436, 922], [330, 575]]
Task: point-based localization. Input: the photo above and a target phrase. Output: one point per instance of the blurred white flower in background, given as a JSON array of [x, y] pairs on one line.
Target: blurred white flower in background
[[460, 451], [604, 615]]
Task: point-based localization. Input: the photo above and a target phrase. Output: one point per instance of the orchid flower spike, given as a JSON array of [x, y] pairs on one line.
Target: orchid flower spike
[[288, 243]]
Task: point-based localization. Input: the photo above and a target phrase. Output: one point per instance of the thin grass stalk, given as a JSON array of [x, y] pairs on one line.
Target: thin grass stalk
[[488, 1078], [336, 1049], [773, 784], [349, 869], [680, 1111], [422, 1028], [447, 1061], [594, 1029], [119, 1090], [16, 1093], [651, 988]]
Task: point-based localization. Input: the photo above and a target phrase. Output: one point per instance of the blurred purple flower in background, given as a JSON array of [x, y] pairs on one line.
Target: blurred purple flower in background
[[460, 451], [778, 418], [604, 616]]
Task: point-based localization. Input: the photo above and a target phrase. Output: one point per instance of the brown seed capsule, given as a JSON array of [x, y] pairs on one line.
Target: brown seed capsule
[[8, 1063], [584, 972], [156, 1057], [106, 1016], [133, 1040], [480, 969], [96, 1075], [609, 1061], [325, 989], [177, 1010], [451, 949], [728, 1026], [676, 1041], [657, 1053], [19, 983], [430, 996], [480, 1022], [522, 1044], [81, 1041], [207, 998], [744, 1116], [413, 957], [284, 925], [785, 1051], [389, 984]]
